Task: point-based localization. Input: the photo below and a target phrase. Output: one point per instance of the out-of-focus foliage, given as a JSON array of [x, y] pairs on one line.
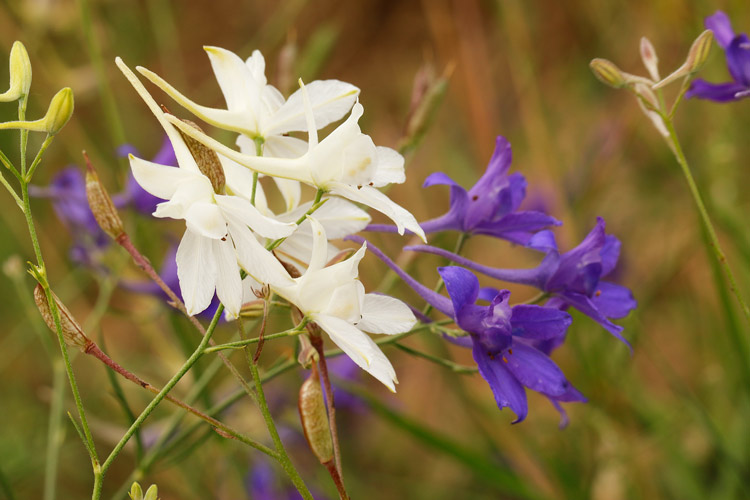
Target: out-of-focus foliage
[[668, 422]]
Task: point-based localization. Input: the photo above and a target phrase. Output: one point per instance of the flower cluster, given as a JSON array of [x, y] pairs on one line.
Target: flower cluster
[[235, 244], [512, 344]]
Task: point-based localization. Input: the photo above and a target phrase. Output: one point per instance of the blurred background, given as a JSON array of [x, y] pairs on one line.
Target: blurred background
[[670, 421]]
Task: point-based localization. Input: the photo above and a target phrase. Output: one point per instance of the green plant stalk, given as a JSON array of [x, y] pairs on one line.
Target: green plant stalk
[[454, 367], [114, 122], [12, 191], [54, 429], [24, 135], [155, 402], [283, 457], [47, 141], [715, 246], [240, 344], [317, 203]]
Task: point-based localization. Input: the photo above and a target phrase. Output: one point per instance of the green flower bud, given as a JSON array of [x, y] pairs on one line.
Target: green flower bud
[[20, 74], [60, 110], [608, 73], [695, 60]]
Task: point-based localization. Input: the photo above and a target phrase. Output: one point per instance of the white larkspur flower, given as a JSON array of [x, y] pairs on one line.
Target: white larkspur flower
[[258, 111], [219, 238], [335, 299], [346, 163]]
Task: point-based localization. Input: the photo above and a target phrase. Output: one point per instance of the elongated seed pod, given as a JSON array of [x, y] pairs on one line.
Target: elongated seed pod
[[71, 330], [207, 160], [312, 412], [101, 203]]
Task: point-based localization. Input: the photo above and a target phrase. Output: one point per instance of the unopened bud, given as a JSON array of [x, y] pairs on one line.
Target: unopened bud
[[696, 58], [136, 492], [101, 203], [307, 353], [206, 158], [60, 110], [648, 56], [312, 412], [20, 74], [71, 330], [427, 95], [608, 73]]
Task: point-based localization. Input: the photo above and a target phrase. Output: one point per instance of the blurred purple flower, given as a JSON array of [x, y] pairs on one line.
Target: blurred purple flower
[[572, 278], [737, 49], [67, 191], [262, 483], [135, 195], [490, 207], [503, 339]]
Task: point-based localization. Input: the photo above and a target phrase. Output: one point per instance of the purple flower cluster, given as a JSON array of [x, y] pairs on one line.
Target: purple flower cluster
[[512, 344], [737, 49]]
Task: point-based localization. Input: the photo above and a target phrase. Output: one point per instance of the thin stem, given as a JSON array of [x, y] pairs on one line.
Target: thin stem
[[706, 220], [317, 203], [54, 429], [12, 191], [38, 157], [24, 135], [162, 394], [9, 165], [455, 367], [317, 342], [240, 344]]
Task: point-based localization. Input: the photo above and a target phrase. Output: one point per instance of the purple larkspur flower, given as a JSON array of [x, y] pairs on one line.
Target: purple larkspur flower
[[68, 194], [139, 198], [504, 340], [737, 50], [490, 207], [572, 278]]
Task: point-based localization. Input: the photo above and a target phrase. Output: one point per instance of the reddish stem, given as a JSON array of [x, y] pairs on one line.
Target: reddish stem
[[317, 342]]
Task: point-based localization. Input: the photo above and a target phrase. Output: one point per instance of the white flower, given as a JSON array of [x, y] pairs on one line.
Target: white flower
[[258, 111], [218, 240], [335, 299], [346, 163]]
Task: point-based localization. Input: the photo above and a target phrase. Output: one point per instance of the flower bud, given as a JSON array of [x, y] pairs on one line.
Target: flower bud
[[608, 73], [206, 158], [696, 58], [136, 492], [71, 330], [312, 412], [427, 95], [20, 74], [60, 110], [101, 203], [648, 56]]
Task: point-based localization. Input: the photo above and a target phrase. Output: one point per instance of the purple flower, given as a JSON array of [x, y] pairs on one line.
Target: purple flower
[[572, 278], [505, 340], [68, 194], [141, 200], [490, 207], [737, 49]]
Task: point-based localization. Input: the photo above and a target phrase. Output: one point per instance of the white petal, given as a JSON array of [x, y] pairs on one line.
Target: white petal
[[319, 256], [195, 189], [390, 168], [239, 120], [373, 198], [159, 180], [359, 347], [326, 159], [239, 182], [383, 314], [228, 281], [196, 271], [206, 219], [256, 64], [330, 101], [256, 260], [243, 211]]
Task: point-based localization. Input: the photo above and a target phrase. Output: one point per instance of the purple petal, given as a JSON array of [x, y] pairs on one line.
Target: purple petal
[[454, 218], [538, 322], [544, 241], [613, 301], [535, 370], [487, 293], [165, 155], [738, 59], [507, 390], [718, 92], [609, 254], [462, 286], [496, 170], [517, 227], [721, 26], [517, 188], [587, 307], [571, 395]]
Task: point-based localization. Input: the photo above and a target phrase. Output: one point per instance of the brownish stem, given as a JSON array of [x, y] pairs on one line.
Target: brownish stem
[[124, 241], [261, 335], [331, 466], [317, 342]]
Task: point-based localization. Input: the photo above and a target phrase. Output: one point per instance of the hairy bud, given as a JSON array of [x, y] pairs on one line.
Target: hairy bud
[[312, 412], [71, 330], [20, 74], [608, 73], [206, 158], [101, 203], [695, 60]]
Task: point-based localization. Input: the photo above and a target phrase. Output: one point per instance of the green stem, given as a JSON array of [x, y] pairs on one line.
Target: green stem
[[715, 246], [24, 136], [12, 191], [317, 203], [9, 165], [114, 122], [54, 429], [239, 344], [455, 367], [283, 458], [38, 157], [162, 394]]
